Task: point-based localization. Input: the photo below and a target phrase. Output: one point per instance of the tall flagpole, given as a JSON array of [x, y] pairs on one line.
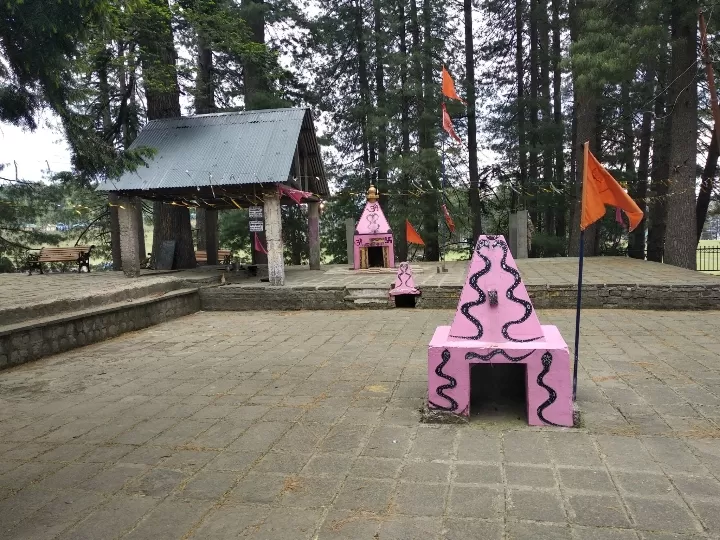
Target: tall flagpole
[[580, 279], [577, 313], [441, 201]]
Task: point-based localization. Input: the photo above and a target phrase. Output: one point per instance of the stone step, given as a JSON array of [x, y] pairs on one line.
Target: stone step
[[29, 340], [368, 297]]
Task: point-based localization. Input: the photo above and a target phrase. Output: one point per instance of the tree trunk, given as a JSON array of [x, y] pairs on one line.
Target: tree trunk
[[204, 82], [364, 82], [255, 79], [474, 200], [200, 228], [115, 232], [638, 190], [682, 230], [584, 130], [706, 185], [547, 119], [429, 158], [162, 92], [636, 244], [381, 112], [559, 177], [659, 174], [401, 202], [173, 223], [520, 80], [534, 141], [204, 104]]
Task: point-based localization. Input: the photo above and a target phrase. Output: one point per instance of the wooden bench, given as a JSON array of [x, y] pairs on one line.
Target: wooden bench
[[224, 256], [76, 254]]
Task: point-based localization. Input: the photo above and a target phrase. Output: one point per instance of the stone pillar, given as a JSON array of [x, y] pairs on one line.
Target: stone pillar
[[350, 238], [512, 236], [129, 239], [273, 236], [114, 230], [211, 236], [314, 234], [140, 228], [523, 218]]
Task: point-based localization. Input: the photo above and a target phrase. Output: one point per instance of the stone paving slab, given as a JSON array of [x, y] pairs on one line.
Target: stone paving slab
[[306, 425]]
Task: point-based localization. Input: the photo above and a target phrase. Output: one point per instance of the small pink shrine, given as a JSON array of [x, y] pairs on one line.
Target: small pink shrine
[[404, 282], [404, 291], [373, 240], [495, 323]]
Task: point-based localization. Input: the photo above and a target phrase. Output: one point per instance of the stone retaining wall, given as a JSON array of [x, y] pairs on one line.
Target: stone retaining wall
[[31, 340], [671, 297]]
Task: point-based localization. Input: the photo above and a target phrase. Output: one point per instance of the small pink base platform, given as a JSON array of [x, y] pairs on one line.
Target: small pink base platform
[[495, 323]]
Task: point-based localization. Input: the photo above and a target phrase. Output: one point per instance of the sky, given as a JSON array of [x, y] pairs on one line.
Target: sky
[[34, 151]]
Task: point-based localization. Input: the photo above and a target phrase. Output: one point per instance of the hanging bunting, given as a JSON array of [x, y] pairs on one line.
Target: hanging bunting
[[448, 86], [447, 124], [295, 194], [258, 245], [618, 217], [448, 219]]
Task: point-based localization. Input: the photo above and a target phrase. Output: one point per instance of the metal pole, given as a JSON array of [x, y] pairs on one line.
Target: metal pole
[[577, 314], [441, 201]]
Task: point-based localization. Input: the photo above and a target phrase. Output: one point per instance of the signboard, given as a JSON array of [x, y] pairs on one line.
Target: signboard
[[166, 255], [256, 219]]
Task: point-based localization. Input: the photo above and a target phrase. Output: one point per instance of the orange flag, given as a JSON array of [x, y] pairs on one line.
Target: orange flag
[[412, 236], [600, 189], [448, 86], [448, 125]]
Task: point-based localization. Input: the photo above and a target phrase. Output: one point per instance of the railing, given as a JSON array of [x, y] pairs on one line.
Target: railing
[[708, 258]]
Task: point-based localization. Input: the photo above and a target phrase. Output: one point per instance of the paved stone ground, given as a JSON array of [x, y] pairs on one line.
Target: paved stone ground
[[28, 294], [211, 426]]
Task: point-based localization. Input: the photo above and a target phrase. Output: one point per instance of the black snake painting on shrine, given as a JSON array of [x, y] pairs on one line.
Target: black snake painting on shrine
[[496, 352], [467, 306], [546, 362], [510, 294], [404, 267], [452, 383]]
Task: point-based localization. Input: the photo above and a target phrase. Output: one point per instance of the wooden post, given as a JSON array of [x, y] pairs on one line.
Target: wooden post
[[211, 236], [129, 240], [273, 235], [314, 234]]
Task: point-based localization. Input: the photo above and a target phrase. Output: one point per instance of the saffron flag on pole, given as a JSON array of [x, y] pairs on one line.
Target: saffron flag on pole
[[447, 124], [448, 86], [412, 236], [448, 219], [599, 188], [258, 245]]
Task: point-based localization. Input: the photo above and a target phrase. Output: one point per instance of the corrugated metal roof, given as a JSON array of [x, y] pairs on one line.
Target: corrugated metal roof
[[249, 147]]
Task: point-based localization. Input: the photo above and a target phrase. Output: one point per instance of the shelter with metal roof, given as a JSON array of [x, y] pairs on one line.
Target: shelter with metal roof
[[221, 160], [228, 160]]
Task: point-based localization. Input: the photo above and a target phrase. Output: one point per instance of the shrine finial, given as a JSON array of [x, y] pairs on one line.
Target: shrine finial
[[373, 195]]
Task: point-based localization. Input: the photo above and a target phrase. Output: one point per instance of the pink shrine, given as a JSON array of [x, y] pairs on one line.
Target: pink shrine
[[373, 240], [495, 323]]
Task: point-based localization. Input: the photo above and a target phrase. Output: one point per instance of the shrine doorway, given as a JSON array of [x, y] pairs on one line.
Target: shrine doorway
[[376, 257]]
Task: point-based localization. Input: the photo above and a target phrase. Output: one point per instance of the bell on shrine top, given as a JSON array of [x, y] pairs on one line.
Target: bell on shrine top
[[373, 194]]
